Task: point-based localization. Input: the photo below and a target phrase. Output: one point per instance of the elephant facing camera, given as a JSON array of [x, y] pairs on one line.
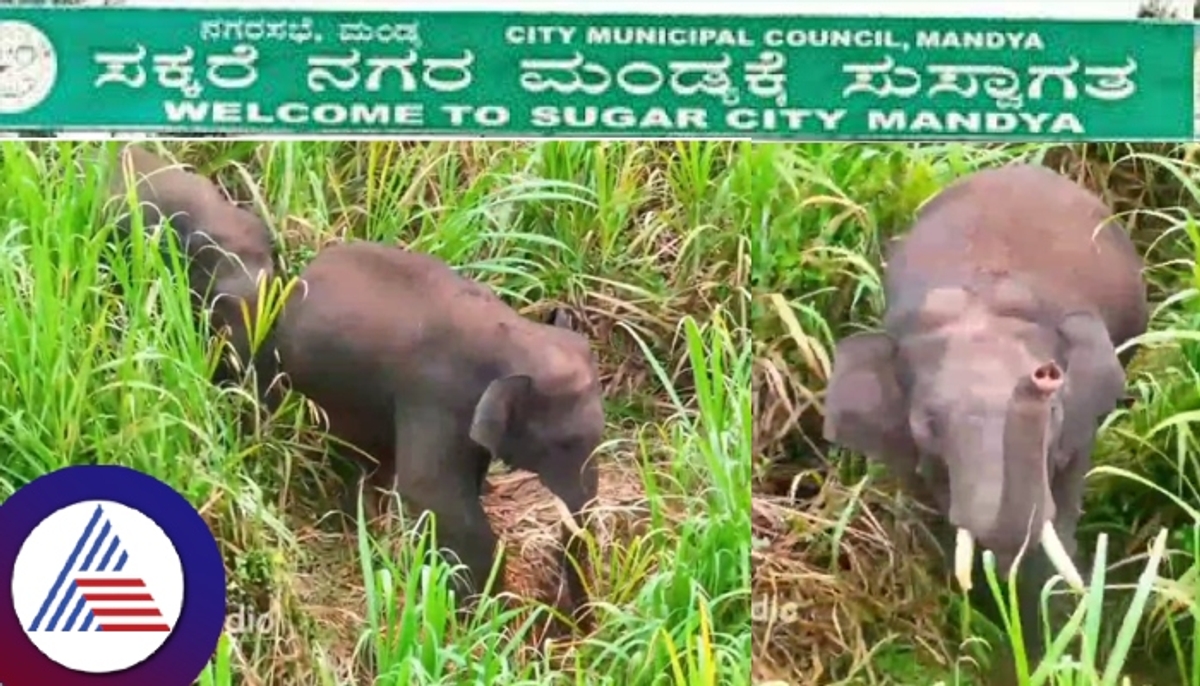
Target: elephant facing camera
[[996, 364]]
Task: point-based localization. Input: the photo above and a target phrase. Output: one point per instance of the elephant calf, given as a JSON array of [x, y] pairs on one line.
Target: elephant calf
[[1005, 303], [229, 249], [433, 376]]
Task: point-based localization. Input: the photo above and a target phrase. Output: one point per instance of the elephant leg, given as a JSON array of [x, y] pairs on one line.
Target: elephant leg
[[265, 363], [461, 527], [997, 609], [438, 473], [369, 474], [1035, 571]]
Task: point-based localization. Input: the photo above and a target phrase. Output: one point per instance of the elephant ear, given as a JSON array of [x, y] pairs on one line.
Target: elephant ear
[[1095, 381], [497, 410], [864, 408]]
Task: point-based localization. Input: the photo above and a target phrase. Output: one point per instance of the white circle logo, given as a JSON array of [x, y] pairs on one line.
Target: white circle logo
[[98, 587], [28, 67]]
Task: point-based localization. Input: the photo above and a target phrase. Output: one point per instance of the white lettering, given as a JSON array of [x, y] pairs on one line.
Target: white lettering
[[979, 40], [329, 114], [898, 121], [243, 621], [590, 117], [826, 38], [539, 35], [785, 119], [490, 116], [671, 36], [294, 113]]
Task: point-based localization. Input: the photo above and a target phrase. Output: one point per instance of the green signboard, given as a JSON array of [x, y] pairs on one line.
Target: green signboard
[[590, 75]]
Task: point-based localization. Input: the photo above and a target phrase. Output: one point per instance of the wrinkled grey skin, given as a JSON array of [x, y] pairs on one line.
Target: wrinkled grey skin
[[433, 376], [228, 248], [997, 362]]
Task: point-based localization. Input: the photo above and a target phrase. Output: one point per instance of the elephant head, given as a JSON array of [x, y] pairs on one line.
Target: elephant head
[[985, 412], [549, 420], [226, 273]]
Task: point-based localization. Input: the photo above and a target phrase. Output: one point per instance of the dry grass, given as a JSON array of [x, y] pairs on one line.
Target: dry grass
[[330, 588]]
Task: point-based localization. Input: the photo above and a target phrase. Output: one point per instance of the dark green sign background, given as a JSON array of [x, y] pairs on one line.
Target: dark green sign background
[[517, 74]]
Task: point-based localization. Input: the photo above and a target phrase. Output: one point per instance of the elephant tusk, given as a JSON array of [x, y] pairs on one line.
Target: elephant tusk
[[568, 519], [964, 558], [1053, 546]]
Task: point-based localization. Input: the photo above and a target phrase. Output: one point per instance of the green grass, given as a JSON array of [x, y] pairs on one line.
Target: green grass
[[645, 241], [826, 212]]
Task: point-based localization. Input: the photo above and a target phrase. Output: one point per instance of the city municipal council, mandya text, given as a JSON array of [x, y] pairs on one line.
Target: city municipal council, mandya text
[[721, 37]]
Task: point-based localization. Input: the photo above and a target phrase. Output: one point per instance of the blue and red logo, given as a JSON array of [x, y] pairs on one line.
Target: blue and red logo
[[115, 579]]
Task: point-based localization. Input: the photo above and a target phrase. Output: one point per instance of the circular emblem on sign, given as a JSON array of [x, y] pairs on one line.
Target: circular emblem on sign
[[114, 578], [28, 67]]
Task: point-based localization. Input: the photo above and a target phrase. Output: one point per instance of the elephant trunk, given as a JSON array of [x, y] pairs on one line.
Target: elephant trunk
[[573, 494], [1024, 509]]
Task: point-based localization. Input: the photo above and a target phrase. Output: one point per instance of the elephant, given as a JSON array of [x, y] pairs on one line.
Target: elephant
[[229, 249], [433, 376], [1005, 304]]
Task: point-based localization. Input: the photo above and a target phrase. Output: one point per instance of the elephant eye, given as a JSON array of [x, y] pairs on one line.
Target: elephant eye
[[582, 443]]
